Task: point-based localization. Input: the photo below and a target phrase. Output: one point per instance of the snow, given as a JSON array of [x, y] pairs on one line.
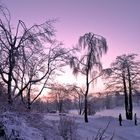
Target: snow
[[115, 112], [41, 126], [16, 127], [88, 130]]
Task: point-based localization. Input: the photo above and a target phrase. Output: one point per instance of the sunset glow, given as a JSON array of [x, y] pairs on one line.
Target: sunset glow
[[117, 21]]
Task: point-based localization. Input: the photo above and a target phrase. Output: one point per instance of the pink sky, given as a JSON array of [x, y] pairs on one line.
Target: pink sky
[[117, 20]]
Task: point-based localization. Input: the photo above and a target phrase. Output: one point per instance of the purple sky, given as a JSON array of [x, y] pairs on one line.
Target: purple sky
[[117, 20]]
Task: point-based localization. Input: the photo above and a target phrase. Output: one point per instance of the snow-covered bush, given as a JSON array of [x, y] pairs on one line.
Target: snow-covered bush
[[67, 128]]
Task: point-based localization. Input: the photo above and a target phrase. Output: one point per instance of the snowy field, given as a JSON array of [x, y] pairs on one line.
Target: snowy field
[[44, 126], [86, 131]]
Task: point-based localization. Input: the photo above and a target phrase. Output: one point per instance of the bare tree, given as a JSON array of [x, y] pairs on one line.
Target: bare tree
[[15, 42], [59, 93], [40, 71], [91, 47], [125, 77], [29, 56], [78, 94]]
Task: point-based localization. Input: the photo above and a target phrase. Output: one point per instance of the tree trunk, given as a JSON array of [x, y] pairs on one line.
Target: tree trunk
[[86, 101], [125, 98], [80, 111], [86, 109], [80, 105], [130, 96], [29, 98], [86, 94], [60, 106], [29, 102], [10, 78], [9, 88]]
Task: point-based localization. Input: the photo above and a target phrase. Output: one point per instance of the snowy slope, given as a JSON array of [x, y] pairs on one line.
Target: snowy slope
[[16, 127], [45, 126]]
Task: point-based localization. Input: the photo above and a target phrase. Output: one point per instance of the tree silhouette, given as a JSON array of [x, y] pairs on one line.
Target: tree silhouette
[[91, 48], [78, 93], [59, 94], [29, 56], [125, 76]]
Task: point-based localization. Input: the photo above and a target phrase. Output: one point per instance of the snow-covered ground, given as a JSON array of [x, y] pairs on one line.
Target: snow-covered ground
[[45, 126], [86, 131]]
